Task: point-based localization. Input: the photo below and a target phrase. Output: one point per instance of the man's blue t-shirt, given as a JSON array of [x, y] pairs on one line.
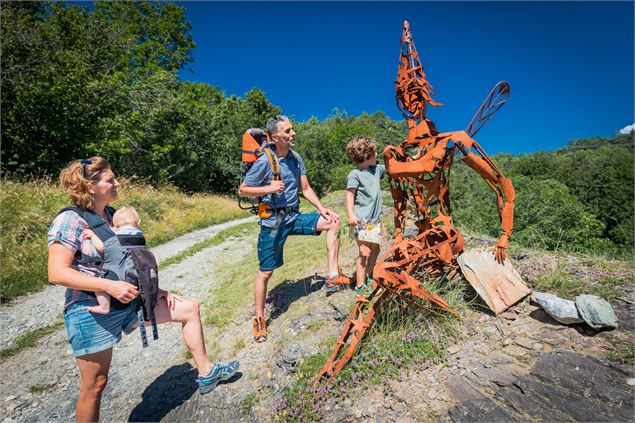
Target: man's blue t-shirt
[[291, 168]]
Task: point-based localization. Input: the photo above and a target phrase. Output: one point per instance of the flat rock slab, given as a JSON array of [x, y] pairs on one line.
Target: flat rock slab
[[587, 376], [483, 410], [462, 390], [562, 386], [499, 285]]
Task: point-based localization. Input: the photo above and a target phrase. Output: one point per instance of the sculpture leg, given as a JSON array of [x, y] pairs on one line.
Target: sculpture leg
[[357, 325]]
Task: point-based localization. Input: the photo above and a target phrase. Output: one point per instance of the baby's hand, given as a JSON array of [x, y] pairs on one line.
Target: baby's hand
[[88, 234], [92, 237]]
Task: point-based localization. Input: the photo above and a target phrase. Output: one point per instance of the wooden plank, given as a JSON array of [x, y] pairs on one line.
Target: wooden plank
[[499, 285]]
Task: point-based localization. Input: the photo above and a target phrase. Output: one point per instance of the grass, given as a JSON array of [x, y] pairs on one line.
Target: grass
[[565, 285], [40, 388], [29, 339], [247, 403], [28, 208], [238, 345], [402, 336], [621, 349], [235, 289]]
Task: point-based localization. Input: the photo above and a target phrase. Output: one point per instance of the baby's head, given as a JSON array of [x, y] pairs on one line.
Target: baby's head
[[360, 149], [126, 217]]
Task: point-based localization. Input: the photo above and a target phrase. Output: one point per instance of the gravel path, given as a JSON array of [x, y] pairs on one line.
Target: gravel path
[[36, 310], [41, 383]]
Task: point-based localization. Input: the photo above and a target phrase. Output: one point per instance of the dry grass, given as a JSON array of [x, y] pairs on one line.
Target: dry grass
[[27, 209]]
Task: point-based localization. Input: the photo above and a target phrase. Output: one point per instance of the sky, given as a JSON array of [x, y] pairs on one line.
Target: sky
[[569, 64]]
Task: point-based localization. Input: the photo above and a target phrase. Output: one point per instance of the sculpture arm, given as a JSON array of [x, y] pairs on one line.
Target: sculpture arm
[[476, 158]]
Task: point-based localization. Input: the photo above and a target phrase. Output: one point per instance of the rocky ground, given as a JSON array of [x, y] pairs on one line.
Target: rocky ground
[[519, 366], [41, 383]]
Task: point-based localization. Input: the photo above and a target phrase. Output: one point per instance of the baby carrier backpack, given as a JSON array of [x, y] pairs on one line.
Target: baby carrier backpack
[[255, 144], [126, 258]]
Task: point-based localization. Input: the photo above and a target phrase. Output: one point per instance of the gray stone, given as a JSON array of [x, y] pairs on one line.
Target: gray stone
[[490, 331], [596, 311], [509, 315], [564, 311], [482, 410], [530, 406]]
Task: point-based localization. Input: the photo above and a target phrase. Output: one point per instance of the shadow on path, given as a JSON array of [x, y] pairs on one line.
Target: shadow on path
[[167, 392], [285, 294]]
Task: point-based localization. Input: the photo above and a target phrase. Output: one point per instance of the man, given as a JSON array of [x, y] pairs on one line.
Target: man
[[281, 217]]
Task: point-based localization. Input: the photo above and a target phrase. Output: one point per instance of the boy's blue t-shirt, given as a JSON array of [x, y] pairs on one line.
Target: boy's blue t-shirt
[[291, 168], [368, 191]]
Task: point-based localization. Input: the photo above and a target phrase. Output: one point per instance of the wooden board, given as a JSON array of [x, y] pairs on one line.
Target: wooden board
[[499, 285]]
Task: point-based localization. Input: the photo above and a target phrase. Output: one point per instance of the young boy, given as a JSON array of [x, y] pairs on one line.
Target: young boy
[[363, 205], [126, 222]]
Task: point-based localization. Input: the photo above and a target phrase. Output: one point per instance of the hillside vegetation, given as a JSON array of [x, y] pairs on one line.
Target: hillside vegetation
[[27, 210], [78, 82]]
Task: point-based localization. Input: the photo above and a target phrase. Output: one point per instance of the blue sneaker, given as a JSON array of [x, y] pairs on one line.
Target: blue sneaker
[[219, 373]]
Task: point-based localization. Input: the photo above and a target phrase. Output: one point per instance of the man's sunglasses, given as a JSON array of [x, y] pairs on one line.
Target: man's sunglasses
[[277, 118]]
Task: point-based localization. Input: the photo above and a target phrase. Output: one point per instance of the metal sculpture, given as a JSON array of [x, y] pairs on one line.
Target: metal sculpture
[[419, 171]]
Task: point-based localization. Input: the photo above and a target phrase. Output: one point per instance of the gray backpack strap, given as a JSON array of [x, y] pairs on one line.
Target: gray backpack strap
[[146, 267], [96, 224]]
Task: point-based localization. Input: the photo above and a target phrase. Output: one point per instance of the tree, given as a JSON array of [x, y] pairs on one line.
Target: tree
[[66, 71]]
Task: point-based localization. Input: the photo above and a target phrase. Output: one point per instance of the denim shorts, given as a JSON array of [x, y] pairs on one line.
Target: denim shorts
[[89, 333], [270, 248]]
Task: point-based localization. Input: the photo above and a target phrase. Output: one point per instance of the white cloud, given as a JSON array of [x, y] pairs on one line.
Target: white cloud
[[627, 129]]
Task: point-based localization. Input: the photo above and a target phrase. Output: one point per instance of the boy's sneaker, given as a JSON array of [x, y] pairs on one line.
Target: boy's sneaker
[[364, 289], [260, 329], [219, 373]]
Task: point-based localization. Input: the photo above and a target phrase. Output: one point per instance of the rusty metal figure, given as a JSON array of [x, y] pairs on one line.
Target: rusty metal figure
[[419, 171]]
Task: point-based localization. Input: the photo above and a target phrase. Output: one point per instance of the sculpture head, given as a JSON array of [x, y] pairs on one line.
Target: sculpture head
[[413, 90]]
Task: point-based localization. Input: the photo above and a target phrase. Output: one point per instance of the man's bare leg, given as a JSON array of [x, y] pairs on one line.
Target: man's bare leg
[[332, 243], [260, 291]]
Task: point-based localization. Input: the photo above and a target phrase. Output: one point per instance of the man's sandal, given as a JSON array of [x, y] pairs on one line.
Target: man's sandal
[[260, 329]]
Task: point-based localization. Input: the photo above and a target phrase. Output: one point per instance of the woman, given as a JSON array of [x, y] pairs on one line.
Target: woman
[[92, 185]]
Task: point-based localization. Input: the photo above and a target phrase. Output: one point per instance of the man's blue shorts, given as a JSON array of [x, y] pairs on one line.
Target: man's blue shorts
[[270, 248]]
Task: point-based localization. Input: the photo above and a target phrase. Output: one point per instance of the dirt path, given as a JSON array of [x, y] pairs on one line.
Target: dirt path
[[41, 383], [40, 309]]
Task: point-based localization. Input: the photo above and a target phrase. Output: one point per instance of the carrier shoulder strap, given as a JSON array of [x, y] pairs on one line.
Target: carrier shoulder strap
[[95, 222], [273, 162]]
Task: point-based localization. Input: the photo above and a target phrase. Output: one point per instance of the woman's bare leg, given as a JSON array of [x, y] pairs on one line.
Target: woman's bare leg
[[93, 377], [187, 312]]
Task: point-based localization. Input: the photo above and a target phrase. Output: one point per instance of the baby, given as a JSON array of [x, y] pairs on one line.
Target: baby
[[125, 222]]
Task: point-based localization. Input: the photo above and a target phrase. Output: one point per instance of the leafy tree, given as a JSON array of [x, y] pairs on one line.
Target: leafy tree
[[68, 72]]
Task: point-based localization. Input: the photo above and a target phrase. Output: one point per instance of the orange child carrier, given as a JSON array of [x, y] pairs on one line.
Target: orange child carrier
[[255, 144]]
